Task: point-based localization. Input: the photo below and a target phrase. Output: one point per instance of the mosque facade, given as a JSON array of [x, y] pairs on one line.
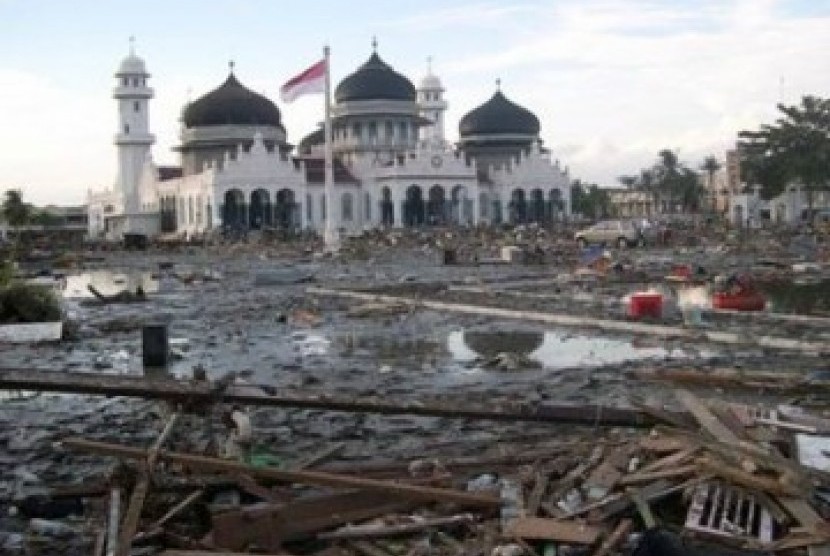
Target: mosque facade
[[393, 166]]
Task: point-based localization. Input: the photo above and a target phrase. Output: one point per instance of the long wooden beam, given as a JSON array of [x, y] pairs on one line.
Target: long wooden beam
[[608, 325], [185, 391], [318, 478]]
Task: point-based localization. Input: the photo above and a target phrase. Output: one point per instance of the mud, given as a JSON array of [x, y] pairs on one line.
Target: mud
[[272, 332]]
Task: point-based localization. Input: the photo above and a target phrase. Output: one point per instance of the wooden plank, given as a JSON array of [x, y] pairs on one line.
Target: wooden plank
[[617, 537], [373, 531], [411, 492], [194, 392], [642, 508], [539, 528], [705, 417], [651, 476], [807, 516], [320, 456], [133, 514], [748, 480], [676, 458], [534, 499]]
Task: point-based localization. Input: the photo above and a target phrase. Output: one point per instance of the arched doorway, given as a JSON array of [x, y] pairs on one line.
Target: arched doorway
[[260, 213], [537, 206], [460, 206], [436, 206], [234, 211], [555, 204], [387, 207], [483, 206], [413, 210], [284, 208], [518, 207]]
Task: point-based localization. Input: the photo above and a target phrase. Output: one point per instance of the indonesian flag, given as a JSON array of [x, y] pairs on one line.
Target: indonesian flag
[[312, 80]]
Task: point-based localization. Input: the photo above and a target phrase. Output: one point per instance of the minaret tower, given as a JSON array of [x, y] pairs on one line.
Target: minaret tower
[[133, 139], [431, 105]]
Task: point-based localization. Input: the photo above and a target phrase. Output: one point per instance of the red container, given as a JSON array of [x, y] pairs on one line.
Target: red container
[[752, 301], [645, 305]]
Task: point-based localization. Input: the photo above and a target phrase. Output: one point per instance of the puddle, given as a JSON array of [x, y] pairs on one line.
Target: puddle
[[800, 298], [553, 350], [108, 283]]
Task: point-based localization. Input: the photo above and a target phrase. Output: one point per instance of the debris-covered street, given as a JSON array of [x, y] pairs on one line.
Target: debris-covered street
[[381, 401]]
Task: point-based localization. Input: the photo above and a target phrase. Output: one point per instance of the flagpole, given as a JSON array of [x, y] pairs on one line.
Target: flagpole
[[330, 232]]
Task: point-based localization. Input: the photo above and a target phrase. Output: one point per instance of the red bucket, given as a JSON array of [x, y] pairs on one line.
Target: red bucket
[[645, 304]]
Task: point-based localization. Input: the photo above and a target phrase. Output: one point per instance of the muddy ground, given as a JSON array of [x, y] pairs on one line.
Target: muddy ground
[[247, 323]]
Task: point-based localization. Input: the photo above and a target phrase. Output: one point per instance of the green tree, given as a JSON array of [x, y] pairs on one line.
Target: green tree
[[794, 149], [628, 181], [589, 200], [14, 210]]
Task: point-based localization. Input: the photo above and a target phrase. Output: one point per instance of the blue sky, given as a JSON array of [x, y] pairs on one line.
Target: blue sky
[[613, 81]]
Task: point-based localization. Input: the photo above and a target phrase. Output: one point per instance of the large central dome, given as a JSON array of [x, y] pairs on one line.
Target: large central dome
[[499, 116], [232, 104], [375, 80]]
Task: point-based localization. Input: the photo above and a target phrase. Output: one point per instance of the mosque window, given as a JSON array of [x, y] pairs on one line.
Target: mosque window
[[322, 207], [190, 218], [136, 106], [209, 215], [368, 206], [390, 130], [403, 131], [373, 130], [308, 208], [125, 81], [357, 130], [126, 129], [346, 208]]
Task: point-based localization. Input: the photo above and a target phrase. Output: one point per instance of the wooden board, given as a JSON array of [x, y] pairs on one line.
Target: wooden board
[[539, 528]]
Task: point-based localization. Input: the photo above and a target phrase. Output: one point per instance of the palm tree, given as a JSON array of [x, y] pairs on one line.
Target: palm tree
[[710, 166]]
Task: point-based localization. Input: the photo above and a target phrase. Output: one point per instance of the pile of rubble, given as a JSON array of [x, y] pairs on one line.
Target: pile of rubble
[[711, 478]]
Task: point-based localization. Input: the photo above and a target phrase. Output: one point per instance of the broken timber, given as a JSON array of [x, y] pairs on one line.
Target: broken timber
[[195, 392], [407, 491], [609, 325]]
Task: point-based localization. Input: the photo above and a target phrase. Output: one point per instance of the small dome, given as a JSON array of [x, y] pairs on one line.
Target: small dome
[[499, 116], [374, 80], [432, 83], [132, 65], [232, 104]]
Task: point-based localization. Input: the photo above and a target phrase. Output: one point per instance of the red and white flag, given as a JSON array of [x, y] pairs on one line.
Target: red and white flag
[[312, 80]]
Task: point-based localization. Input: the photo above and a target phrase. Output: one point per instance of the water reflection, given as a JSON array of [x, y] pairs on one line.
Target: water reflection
[[108, 282], [552, 349], [804, 298]]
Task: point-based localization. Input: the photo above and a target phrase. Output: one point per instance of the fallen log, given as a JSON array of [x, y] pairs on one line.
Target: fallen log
[[203, 392], [191, 461]]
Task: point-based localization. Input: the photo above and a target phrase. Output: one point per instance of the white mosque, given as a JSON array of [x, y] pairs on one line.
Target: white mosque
[[393, 166]]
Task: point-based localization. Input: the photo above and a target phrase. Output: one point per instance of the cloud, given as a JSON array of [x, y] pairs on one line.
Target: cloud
[[608, 78]]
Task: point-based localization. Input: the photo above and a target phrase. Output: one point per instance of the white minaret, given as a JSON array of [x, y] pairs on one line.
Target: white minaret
[[431, 105], [133, 138]]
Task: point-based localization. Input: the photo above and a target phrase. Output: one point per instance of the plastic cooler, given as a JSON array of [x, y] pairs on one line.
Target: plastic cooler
[[645, 304]]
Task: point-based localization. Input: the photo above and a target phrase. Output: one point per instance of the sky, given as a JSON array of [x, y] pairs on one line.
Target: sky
[[612, 81]]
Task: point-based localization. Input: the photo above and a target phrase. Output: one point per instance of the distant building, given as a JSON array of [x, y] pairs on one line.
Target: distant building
[[393, 166]]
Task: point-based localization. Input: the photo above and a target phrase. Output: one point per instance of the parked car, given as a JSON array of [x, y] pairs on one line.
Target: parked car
[[622, 233]]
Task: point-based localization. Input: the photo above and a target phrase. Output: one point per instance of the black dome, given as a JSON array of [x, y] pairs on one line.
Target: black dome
[[232, 104], [375, 80], [499, 116]]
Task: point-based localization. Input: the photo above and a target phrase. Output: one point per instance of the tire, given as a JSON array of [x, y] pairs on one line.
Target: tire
[[622, 243]]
